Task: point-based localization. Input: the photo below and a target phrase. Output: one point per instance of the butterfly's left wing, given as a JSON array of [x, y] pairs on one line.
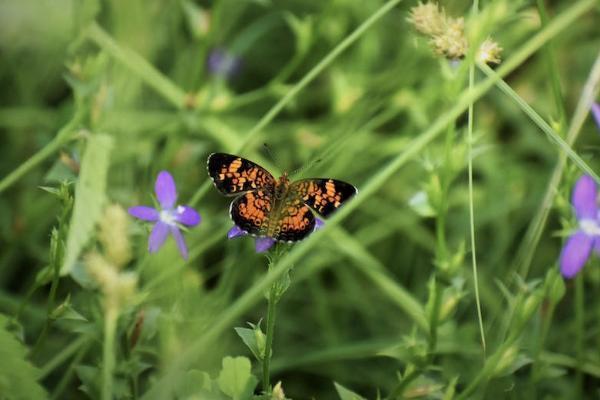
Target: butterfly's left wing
[[234, 175], [323, 195], [251, 211]]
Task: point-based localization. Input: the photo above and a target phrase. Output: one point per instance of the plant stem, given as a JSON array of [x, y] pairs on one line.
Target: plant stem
[[539, 346], [63, 136], [57, 360], [269, 339], [543, 125], [137, 64], [579, 332], [471, 206], [110, 327]]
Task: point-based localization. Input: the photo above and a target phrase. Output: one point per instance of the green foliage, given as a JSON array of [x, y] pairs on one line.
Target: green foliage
[[346, 394], [438, 280], [235, 378], [90, 197], [18, 378]]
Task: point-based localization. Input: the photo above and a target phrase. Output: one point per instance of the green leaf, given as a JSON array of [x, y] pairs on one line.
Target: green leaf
[[346, 394], [254, 338], [89, 197], [18, 378], [249, 338], [235, 378]]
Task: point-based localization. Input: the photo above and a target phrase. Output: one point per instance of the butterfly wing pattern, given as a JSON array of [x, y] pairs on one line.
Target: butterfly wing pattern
[[294, 222], [233, 175], [276, 209], [250, 212], [323, 195]]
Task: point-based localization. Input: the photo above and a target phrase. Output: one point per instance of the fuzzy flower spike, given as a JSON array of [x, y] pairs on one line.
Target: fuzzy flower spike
[[168, 219], [579, 246]]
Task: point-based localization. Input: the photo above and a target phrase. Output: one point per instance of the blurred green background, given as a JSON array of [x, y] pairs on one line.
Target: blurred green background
[[364, 296]]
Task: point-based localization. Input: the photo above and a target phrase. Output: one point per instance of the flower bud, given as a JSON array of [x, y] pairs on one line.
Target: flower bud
[[506, 361], [554, 286], [489, 52], [277, 393], [428, 19]]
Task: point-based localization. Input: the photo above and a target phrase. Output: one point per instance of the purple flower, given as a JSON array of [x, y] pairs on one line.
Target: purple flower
[[169, 218], [262, 244], [579, 246], [223, 63], [596, 113]]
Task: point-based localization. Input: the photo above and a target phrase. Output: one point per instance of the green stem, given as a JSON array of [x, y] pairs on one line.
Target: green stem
[[579, 333], [434, 318], [110, 327], [397, 391], [472, 211], [137, 64], [539, 346], [63, 136], [269, 339], [543, 125], [548, 52], [67, 375], [65, 353]]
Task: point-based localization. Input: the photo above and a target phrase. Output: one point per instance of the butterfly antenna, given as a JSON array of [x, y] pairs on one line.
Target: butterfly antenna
[[306, 166], [271, 154]]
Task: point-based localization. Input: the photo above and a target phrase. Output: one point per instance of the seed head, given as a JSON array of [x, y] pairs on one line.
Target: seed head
[[489, 52], [428, 19], [113, 235]]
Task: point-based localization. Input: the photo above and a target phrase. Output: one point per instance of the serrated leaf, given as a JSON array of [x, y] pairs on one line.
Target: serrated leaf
[[89, 197], [235, 378], [346, 394], [18, 378]]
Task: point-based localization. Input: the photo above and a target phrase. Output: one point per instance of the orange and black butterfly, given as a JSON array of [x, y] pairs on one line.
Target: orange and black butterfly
[[277, 209]]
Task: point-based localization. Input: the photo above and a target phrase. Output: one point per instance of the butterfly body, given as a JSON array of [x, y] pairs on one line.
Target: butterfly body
[[275, 208]]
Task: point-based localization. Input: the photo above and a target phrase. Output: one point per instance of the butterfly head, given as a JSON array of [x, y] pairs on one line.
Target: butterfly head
[[282, 185]]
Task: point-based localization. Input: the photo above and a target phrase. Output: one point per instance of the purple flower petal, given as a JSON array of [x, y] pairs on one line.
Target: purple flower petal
[[144, 212], [158, 236], [222, 63], [596, 113], [584, 198], [597, 246], [575, 254], [187, 216], [236, 231], [180, 242], [165, 190], [263, 244], [319, 223]]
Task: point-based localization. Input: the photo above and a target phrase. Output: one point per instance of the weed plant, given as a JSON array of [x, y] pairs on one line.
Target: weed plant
[[463, 125]]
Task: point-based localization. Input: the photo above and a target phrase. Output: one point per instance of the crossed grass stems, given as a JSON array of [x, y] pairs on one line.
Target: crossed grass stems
[[367, 264]]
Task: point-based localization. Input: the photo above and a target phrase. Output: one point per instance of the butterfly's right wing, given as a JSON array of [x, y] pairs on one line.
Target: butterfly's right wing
[[233, 175]]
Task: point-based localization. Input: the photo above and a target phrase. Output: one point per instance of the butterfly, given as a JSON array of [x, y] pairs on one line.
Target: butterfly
[[274, 208]]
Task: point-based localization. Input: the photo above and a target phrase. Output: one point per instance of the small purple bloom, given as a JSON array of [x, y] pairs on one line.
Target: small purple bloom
[[262, 244], [579, 246], [596, 113], [169, 218], [223, 63]]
